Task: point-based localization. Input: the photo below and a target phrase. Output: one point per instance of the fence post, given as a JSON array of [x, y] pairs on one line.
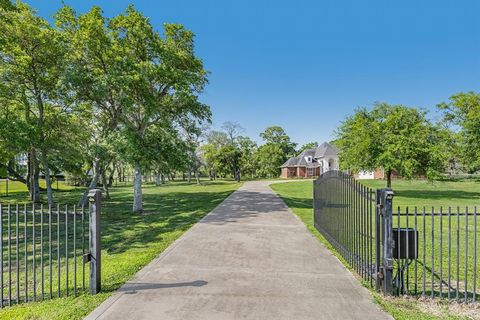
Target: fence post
[[94, 197], [386, 197]]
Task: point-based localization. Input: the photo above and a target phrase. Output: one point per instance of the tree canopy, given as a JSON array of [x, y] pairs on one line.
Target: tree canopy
[[394, 137]]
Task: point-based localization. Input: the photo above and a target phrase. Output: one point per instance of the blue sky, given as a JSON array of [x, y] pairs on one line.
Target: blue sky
[[306, 65]]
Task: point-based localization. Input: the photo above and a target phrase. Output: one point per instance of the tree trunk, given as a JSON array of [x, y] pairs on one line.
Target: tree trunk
[[163, 178], [389, 178], [105, 185], [197, 176], [189, 175], [93, 182], [48, 180], [33, 175], [137, 190], [158, 179], [111, 177]]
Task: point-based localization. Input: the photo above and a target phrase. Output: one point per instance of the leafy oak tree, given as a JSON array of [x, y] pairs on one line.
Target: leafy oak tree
[[397, 138], [161, 80], [462, 114], [32, 61]]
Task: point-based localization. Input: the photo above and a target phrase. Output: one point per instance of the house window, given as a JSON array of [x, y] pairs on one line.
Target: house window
[[309, 172]]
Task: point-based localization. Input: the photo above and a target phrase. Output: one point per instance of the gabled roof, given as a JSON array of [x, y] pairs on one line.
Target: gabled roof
[[292, 162], [323, 150]]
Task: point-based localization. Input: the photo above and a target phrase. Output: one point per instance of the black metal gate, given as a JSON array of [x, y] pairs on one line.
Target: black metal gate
[[44, 251], [429, 252], [356, 220]]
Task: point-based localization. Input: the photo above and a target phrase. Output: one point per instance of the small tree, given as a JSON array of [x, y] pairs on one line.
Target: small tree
[[394, 137]]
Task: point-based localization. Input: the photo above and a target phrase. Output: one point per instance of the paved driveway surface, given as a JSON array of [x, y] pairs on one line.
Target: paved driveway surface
[[250, 258]]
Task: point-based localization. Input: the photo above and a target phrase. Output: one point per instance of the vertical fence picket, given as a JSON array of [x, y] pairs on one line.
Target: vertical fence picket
[[1, 256], [67, 284], [9, 250], [416, 251], [474, 298], [50, 268], [42, 273], [424, 252], [397, 245], [407, 251], [59, 265], [83, 247], [34, 271], [458, 256], [74, 250], [432, 274], [17, 253], [441, 252], [370, 219], [25, 238], [449, 251], [466, 255]]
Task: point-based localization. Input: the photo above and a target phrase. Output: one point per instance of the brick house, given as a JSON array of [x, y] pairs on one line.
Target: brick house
[[311, 162]]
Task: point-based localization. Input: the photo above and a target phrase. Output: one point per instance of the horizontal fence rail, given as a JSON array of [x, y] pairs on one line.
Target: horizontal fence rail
[[43, 251]]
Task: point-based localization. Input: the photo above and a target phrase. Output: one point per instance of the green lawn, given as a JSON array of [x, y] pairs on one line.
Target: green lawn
[[18, 190], [298, 196], [129, 241]]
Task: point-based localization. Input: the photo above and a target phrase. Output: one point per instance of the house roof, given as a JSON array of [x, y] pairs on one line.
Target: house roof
[[324, 150]]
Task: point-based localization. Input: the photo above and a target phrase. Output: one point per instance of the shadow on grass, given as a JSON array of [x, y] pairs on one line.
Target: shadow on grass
[[175, 211]]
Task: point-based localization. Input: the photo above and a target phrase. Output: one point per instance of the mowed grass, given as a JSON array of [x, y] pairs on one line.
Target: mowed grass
[[12, 190], [129, 241], [298, 196]]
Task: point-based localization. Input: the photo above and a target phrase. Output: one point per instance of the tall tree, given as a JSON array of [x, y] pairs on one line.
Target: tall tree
[[94, 77], [397, 138], [32, 62], [161, 80]]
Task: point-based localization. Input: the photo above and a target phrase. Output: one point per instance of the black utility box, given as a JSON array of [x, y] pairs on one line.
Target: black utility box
[[401, 235]]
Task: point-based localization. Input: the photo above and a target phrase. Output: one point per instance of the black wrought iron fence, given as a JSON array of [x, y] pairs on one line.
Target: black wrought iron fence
[[437, 252], [407, 251], [344, 213], [43, 251]]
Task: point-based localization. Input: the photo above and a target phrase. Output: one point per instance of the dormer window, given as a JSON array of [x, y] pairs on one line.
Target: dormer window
[[308, 159]]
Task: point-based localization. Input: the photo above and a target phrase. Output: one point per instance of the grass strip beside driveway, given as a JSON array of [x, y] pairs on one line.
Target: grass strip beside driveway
[[130, 241]]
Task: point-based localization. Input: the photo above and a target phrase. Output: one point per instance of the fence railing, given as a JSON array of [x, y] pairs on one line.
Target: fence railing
[[429, 252], [438, 252], [43, 251], [344, 213]]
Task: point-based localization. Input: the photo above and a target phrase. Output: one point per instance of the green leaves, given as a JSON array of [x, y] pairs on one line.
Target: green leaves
[[397, 138], [462, 114]]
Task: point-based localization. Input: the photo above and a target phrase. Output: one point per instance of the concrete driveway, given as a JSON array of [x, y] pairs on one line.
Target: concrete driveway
[[250, 258]]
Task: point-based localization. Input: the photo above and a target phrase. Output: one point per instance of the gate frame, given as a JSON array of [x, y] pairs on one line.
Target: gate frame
[[384, 240]]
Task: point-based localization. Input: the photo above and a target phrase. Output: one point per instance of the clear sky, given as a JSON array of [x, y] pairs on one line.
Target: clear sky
[[306, 65]]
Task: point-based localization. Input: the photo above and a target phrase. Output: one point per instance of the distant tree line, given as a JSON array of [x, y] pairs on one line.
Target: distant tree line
[[227, 153], [403, 140]]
